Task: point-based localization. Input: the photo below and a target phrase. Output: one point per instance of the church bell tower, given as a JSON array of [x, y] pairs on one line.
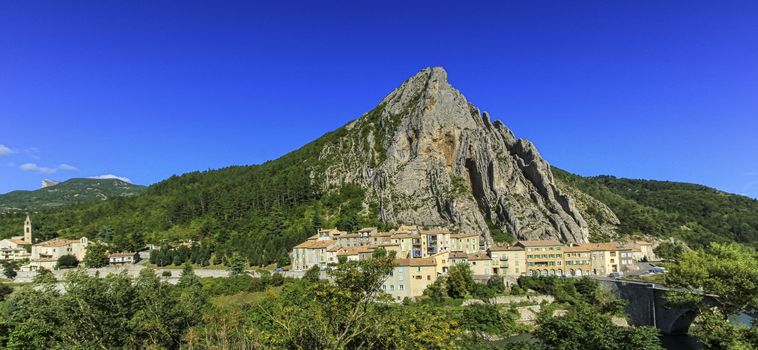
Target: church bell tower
[[28, 229]]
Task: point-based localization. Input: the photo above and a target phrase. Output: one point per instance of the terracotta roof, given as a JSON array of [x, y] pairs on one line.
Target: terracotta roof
[[313, 237], [405, 236], [57, 242], [599, 246], [416, 262], [347, 235], [315, 244], [539, 243], [383, 234], [458, 255], [574, 249], [18, 241], [354, 250], [507, 249], [408, 228], [464, 235], [436, 232], [478, 257], [367, 229]]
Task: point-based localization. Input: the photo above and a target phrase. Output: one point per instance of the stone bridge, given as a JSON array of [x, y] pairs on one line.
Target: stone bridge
[[646, 306]]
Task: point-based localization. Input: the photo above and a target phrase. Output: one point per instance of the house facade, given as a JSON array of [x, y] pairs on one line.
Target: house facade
[[46, 254]]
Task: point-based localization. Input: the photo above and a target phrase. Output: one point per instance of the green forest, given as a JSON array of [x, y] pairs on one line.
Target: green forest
[[262, 211], [259, 211], [693, 213], [73, 191]]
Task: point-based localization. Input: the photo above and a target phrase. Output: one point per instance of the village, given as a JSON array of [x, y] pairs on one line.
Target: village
[[46, 254], [421, 256]]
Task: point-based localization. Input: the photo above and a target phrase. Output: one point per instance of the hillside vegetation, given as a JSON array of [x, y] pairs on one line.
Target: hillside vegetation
[[695, 213], [74, 191], [260, 211]]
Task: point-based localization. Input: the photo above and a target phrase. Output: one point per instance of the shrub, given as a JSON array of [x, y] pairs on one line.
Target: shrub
[[67, 261]]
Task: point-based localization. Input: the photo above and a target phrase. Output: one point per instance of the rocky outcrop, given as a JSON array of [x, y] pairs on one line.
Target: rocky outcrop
[[427, 156]]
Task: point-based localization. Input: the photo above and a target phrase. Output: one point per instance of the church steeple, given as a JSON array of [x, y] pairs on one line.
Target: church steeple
[[28, 229]]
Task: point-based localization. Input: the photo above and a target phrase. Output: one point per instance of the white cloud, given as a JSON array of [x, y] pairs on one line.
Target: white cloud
[[36, 168], [5, 150], [46, 170], [65, 166], [111, 176]]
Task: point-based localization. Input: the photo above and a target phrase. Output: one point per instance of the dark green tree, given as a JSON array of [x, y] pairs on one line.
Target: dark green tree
[[460, 281], [313, 274], [67, 261], [587, 329], [236, 265], [9, 269], [96, 256]]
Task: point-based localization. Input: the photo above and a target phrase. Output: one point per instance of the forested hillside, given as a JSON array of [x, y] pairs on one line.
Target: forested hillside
[[73, 191], [695, 213], [260, 211]]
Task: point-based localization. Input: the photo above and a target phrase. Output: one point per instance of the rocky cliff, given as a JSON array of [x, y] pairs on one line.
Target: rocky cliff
[[427, 156]]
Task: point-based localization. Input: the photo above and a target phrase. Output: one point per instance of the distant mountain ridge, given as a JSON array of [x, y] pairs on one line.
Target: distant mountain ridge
[[73, 191]]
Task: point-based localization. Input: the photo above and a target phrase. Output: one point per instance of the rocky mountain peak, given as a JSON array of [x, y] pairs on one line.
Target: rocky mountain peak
[[427, 156]]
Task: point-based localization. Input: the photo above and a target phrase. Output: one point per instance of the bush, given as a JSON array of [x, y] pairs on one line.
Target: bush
[[67, 261], [496, 284], [166, 273], [313, 274], [482, 291]]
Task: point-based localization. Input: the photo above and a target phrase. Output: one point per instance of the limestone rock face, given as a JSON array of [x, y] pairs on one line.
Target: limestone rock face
[[427, 156]]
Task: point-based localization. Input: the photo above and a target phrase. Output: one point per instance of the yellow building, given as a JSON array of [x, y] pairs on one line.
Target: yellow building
[[604, 257], [508, 261], [480, 264], [456, 258], [381, 238], [410, 245], [464, 242], [435, 241], [577, 260], [46, 254], [313, 252], [413, 229], [410, 277], [543, 258]]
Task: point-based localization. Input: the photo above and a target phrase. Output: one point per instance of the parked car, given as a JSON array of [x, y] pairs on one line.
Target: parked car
[[616, 275], [654, 271]]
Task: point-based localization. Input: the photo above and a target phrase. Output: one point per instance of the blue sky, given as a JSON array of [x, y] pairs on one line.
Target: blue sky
[[147, 89]]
